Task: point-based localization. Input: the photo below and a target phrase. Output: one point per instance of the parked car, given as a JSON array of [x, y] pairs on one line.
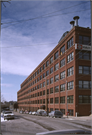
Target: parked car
[[40, 112], [21, 112], [30, 112], [8, 115], [44, 113], [34, 113], [56, 114]]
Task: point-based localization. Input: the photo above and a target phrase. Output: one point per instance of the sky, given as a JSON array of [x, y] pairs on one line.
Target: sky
[[29, 32]]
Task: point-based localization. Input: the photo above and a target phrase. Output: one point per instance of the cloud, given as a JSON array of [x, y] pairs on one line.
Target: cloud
[[39, 34]]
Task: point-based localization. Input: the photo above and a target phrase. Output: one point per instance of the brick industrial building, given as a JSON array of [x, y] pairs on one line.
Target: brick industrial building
[[63, 79]]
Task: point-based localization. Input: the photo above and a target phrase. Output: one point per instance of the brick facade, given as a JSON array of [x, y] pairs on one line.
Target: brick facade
[[26, 96]]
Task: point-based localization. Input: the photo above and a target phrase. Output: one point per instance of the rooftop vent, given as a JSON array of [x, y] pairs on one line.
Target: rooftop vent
[[72, 24], [76, 20]]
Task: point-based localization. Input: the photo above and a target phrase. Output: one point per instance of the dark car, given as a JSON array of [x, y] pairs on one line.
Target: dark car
[[56, 114]]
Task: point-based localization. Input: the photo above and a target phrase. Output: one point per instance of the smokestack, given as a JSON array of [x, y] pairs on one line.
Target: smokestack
[[72, 24], [76, 20]]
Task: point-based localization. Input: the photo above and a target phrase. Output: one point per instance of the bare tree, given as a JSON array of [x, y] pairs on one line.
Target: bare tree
[[2, 99]]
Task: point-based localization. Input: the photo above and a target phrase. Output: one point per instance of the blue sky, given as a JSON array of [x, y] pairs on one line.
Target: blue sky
[[26, 43]]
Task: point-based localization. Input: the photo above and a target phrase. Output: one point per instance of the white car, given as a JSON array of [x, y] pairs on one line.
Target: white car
[[30, 112], [8, 115], [34, 113]]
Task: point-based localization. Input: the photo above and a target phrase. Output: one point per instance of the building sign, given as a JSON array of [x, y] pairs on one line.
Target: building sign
[[83, 47]]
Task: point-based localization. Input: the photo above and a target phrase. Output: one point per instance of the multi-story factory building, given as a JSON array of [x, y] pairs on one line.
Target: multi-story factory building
[[63, 79]]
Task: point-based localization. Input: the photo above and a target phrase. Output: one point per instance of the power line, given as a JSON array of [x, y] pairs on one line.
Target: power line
[[45, 14], [45, 17], [27, 45]]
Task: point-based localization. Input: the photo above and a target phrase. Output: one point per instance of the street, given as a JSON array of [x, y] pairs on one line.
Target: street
[[25, 124]]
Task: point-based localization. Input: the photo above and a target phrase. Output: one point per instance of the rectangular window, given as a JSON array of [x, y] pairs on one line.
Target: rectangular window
[[62, 99], [47, 91], [38, 79], [70, 43], [84, 70], [51, 90], [40, 93], [84, 40], [51, 100], [51, 109], [56, 100], [85, 55], [85, 84], [62, 87], [56, 89], [51, 80], [44, 92], [56, 66], [62, 75], [38, 86], [48, 82], [43, 66], [43, 75], [35, 73], [40, 69], [70, 71], [56, 55], [40, 101], [47, 63], [56, 78], [51, 70], [70, 112], [43, 101], [70, 99], [70, 57], [84, 99], [47, 72], [62, 110], [70, 85], [62, 62], [62, 50], [43, 84], [51, 59]]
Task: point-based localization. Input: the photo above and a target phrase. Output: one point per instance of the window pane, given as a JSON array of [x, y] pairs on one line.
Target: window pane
[[85, 84], [85, 70]]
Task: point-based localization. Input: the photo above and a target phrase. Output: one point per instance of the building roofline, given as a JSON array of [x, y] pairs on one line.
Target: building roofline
[[59, 44]]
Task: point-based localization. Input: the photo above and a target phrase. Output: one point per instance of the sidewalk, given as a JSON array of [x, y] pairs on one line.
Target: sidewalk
[[82, 118]]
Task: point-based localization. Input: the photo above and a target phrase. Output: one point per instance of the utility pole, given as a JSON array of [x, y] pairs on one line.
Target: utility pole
[[46, 96], [0, 66]]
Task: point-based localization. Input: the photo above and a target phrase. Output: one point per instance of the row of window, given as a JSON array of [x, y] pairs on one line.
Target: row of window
[[70, 85], [82, 40], [56, 100], [51, 100], [85, 40], [62, 63], [82, 69]]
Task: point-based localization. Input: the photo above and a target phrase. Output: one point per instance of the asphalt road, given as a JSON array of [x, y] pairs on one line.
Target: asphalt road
[[25, 124]]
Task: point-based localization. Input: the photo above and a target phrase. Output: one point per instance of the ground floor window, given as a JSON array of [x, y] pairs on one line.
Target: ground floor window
[[51, 109], [70, 112], [62, 110]]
